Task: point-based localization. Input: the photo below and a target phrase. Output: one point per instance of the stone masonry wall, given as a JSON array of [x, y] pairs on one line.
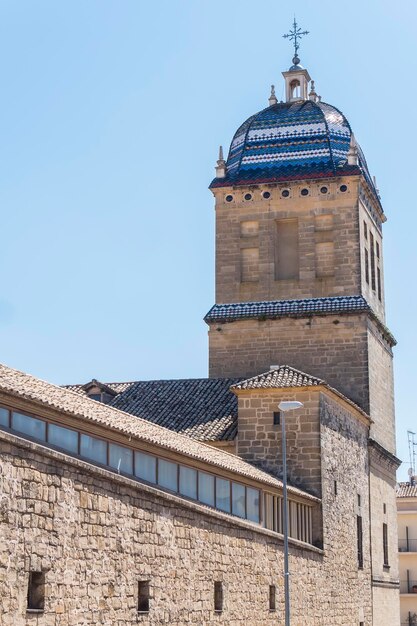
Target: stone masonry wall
[[345, 470], [331, 347], [259, 441], [381, 389], [328, 242], [96, 535], [384, 511]]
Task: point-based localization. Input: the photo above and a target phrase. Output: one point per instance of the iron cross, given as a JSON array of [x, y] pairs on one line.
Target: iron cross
[[295, 35]]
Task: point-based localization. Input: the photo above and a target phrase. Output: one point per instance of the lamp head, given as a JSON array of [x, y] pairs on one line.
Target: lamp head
[[290, 405]]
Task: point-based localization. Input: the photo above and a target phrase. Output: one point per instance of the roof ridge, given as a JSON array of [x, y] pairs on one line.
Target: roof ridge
[[279, 368]]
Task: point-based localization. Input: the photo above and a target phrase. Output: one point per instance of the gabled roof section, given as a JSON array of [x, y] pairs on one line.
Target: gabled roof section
[[278, 378], [23, 386], [285, 377], [406, 490], [202, 408]]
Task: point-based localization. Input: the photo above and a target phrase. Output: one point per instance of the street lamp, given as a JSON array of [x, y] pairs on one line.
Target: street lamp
[[285, 406]]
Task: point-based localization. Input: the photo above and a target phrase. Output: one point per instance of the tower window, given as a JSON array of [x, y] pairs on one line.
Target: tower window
[[248, 196], [359, 538], [218, 596], [229, 198], [285, 193], [366, 266], [385, 544], [266, 195], [286, 250], [295, 89], [377, 249], [373, 283], [36, 591], [304, 192], [365, 230], [343, 188], [143, 596], [378, 279], [277, 418], [272, 597], [324, 189]]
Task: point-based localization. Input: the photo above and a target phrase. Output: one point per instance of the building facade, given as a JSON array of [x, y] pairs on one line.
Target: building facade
[[407, 550], [161, 501]]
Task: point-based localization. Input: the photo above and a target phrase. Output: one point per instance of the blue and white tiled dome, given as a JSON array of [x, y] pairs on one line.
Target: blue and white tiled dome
[[289, 141]]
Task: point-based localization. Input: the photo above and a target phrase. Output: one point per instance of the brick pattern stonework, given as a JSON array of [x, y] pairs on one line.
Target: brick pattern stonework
[[95, 535], [332, 347]]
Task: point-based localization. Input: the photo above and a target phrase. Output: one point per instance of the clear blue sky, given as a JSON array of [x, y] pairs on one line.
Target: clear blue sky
[[111, 117]]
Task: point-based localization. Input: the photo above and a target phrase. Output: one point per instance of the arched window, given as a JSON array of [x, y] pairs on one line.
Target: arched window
[[295, 89]]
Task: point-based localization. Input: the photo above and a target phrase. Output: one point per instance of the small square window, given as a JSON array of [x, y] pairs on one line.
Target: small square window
[[36, 591], [143, 596]]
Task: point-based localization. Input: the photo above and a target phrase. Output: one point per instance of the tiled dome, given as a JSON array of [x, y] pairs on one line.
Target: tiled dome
[[290, 141]]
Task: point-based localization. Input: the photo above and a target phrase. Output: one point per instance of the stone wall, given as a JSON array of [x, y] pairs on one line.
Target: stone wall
[[327, 242], [384, 511], [259, 441], [381, 389], [331, 347], [96, 535]]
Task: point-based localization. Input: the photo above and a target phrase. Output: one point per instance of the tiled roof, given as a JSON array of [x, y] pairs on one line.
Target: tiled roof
[[20, 385], [286, 308], [290, 141], [405, 490], [272, 309], [279, 377], [202, 408], [115, 387], [285, 376]]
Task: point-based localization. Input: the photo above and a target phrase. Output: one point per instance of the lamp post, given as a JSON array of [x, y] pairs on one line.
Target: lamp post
[[285, 406]]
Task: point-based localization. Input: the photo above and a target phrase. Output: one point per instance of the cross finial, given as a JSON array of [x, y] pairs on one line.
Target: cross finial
[[295, 35]]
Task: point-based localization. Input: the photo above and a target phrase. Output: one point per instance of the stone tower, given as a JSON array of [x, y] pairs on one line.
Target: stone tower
[[299, 274]]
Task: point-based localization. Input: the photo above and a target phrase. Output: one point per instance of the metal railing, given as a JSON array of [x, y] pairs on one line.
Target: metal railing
[[408, 586], [407, 545]]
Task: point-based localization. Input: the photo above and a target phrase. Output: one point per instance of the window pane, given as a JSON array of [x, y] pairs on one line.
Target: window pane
[[4, 417], [238, 499], [93, 449], [121, 458], [188, 482], [206, 488], [63, 437], [167, 474], [145, 467], [29, 426], [223, 494], [252, 504]]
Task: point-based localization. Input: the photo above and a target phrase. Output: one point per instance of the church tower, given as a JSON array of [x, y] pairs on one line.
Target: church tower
[[299, 254], [299, 274]]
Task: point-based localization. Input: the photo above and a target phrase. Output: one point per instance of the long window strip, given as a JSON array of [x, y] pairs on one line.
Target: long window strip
[[106, 453]]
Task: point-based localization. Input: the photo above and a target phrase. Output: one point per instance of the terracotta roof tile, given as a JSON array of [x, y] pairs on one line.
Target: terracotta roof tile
[[21, 385], [280, 377], [405, 490], [202, 408]]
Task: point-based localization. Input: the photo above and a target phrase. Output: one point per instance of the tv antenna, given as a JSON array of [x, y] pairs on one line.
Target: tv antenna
[[412, 446]]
